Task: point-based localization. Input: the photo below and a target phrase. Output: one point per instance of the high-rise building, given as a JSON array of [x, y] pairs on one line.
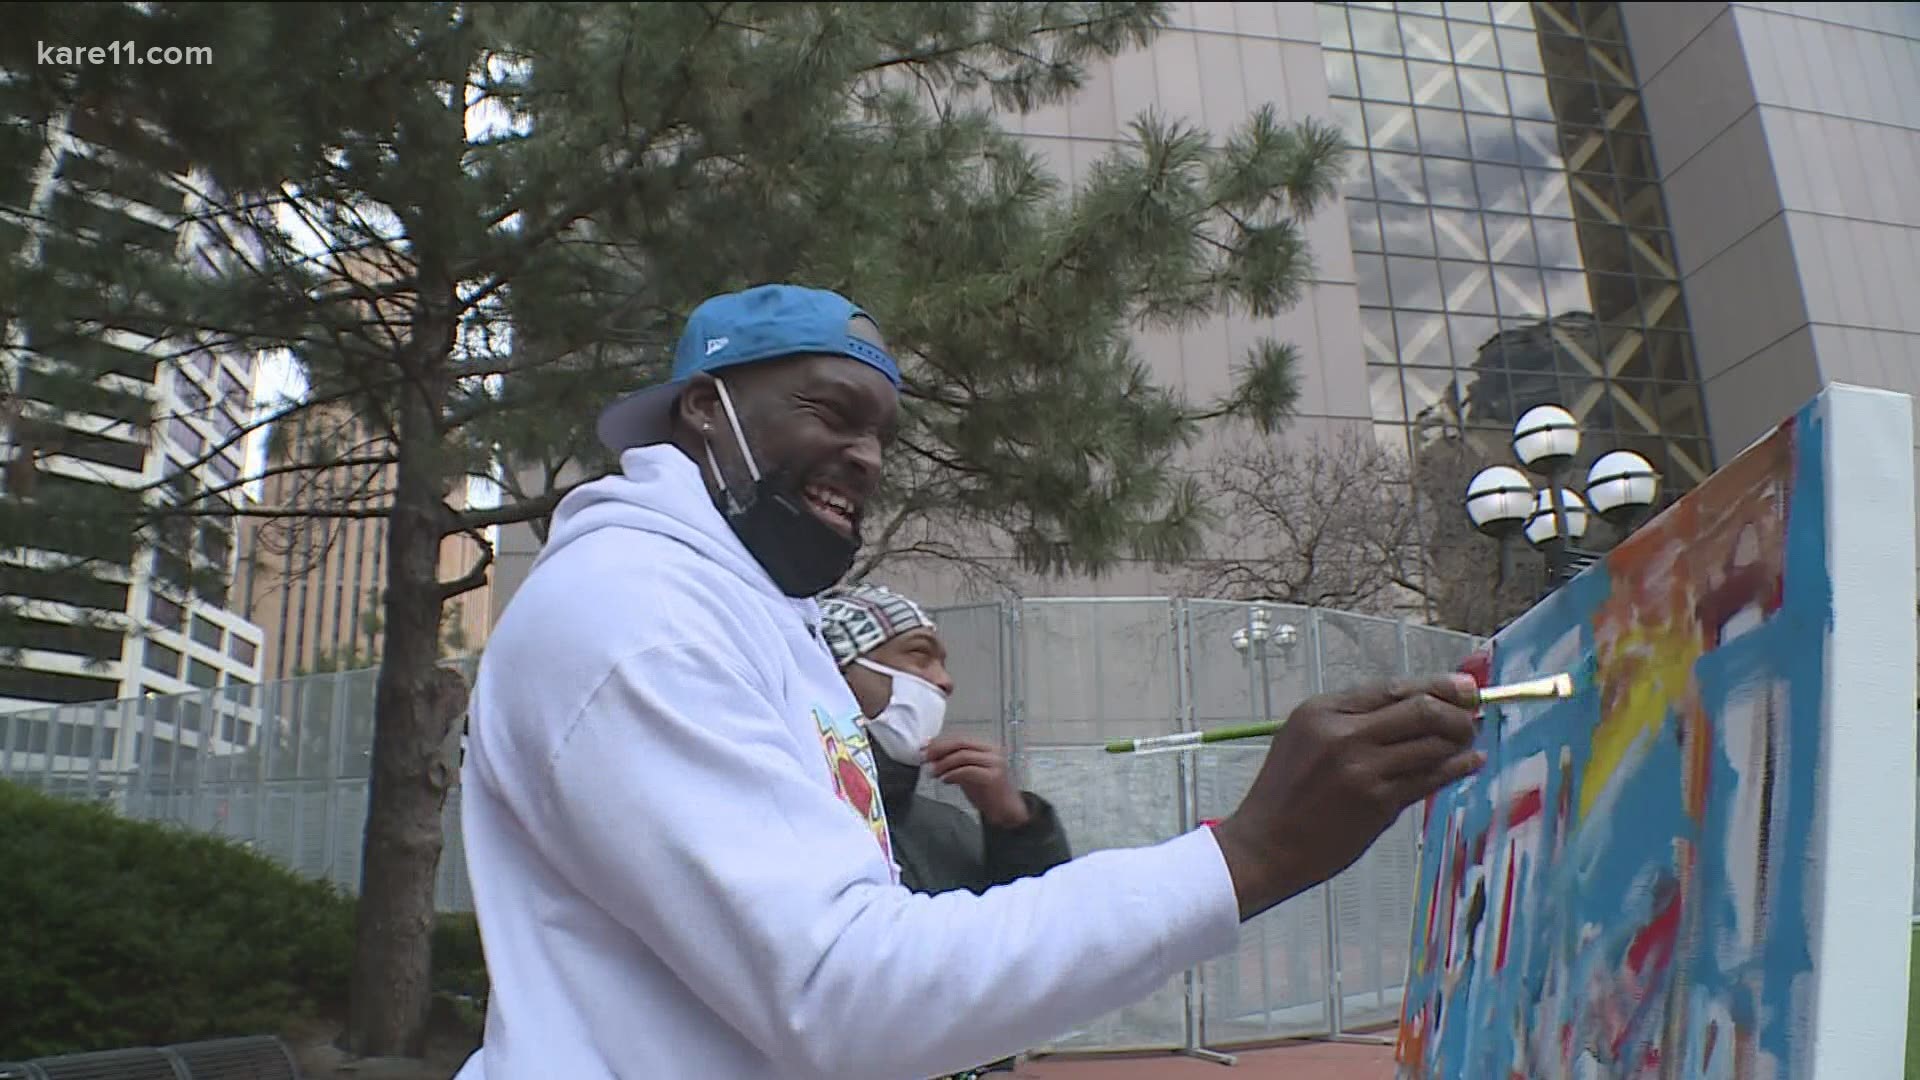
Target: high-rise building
[[314, 584], [128, 621], [1676, 220]]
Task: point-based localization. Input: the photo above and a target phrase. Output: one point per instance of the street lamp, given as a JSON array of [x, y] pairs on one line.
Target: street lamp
[[1501, 501], [1258, 641]]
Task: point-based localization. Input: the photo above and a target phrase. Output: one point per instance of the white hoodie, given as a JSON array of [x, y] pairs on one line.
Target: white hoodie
[[678, 855]]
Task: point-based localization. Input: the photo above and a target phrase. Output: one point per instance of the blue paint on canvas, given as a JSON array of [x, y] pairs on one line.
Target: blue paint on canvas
[[1624, 889]]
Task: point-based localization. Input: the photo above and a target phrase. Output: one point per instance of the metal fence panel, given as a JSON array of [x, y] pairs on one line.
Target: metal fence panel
[[1274, 984], [1094, 670], [1108, 801]]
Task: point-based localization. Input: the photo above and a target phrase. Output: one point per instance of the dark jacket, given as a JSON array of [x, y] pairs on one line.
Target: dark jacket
[[941, 847]]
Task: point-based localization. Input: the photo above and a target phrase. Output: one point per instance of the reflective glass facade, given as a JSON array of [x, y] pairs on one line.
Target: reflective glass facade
[[1509, 236]]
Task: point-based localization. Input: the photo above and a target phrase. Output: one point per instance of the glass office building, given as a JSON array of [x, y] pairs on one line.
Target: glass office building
[[1510, 239]]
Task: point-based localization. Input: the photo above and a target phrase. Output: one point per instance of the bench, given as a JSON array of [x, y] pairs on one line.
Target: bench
[[253, 1058]]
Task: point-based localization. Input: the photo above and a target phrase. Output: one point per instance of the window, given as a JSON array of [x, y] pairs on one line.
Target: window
[[225, 469], [185, 437], [243, 650], [158, 657], [202, 674], [207, 633], [231, 391], [166, 613]]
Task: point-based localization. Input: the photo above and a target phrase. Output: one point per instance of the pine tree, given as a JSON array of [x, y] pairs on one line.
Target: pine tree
[[475, 224]]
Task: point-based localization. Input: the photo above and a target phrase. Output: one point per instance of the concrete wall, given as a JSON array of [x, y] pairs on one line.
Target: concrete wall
[[1788, 138]]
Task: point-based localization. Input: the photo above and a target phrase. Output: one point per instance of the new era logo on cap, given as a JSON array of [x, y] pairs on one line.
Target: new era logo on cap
[[767, 322]]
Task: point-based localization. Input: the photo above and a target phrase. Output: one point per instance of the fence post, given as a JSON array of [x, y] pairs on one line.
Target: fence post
[[336, 754], [1335, 992], [208, 725], [142, 786], [1187, 771], [301, 699], [1013, 638], [266, 735], [93, 749], [53, 743]]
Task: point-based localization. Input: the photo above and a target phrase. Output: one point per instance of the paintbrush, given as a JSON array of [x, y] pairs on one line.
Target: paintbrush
[[1546, 688]]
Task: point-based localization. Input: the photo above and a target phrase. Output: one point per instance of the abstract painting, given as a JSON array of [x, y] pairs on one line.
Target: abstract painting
[[1701, 865]]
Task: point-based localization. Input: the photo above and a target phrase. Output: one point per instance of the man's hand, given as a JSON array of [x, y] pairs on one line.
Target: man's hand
[[980, 772], [1340, 770]]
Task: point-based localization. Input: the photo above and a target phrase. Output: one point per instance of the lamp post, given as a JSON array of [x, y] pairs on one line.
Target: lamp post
[[1256, 642], [1501, 500]]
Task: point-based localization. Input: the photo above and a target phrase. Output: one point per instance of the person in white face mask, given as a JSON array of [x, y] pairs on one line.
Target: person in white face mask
[[891, 655]]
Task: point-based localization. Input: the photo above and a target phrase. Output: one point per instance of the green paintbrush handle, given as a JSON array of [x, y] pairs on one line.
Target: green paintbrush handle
[[1241, 731], [1193, 738]]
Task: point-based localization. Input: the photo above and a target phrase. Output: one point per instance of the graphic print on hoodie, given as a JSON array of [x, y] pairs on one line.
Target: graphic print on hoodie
[[856, 777]]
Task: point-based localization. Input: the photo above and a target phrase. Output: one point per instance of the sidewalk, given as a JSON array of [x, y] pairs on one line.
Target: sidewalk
[[1291, 1061]]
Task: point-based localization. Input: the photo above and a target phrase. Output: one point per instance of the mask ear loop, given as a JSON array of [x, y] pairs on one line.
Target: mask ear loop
[[739, 436]]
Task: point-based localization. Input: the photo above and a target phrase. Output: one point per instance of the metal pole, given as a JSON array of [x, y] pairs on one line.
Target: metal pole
[[53, 743], [1558, 550], [302, 696], [1187, 771], [336, 760], [1014, 630], [93, 750], [266, 735]]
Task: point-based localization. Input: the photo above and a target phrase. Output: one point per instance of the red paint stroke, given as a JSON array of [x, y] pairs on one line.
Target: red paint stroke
[[1655, 941], [1459, 874], [1525, 807], [1480, 666], [1506, 908], [1756, 582]]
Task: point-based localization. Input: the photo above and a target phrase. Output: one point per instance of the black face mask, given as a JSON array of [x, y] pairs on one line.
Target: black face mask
[[802, 554]]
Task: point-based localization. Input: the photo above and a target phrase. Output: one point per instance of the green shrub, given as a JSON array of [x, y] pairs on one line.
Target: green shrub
[[123, 933], [458, 965]]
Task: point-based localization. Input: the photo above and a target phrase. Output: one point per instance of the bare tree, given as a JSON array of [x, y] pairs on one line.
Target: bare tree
[[1348, 523], [1325, 523]]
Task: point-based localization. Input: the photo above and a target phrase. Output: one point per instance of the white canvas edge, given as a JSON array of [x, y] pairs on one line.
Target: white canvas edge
[[1865, 817]]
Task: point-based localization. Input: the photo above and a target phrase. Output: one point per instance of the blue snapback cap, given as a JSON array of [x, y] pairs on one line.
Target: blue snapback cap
[[766, 322]]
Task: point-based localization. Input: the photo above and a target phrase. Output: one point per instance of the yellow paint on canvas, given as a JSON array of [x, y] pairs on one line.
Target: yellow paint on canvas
[[1656, 677]]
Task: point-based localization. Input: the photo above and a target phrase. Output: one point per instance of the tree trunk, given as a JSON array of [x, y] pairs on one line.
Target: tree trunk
[[392, 961]]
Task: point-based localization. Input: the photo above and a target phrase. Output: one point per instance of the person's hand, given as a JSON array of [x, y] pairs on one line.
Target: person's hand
[[1340, 770], [980, 772]]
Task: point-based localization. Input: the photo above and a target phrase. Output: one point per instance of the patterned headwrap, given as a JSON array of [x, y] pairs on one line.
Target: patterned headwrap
[[857, 620]]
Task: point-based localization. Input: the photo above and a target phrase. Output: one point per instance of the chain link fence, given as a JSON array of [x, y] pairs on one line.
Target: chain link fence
[[283, 769]]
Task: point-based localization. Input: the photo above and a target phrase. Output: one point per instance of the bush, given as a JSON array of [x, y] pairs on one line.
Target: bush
[[124, 933], [459, 967], [127, 933]]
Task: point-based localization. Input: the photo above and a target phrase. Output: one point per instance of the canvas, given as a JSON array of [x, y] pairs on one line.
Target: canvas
[[1700, 866]]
